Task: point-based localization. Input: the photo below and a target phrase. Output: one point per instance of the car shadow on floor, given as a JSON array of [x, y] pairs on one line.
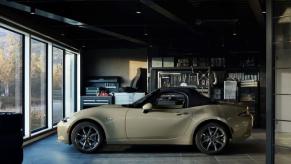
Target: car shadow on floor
[[253, 147], [256, 144]]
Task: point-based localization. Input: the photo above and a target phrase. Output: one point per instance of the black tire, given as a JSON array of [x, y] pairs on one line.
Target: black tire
[[87, 137], [212, 138]]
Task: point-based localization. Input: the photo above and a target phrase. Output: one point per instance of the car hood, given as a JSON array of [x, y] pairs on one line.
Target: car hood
[[99, 109], [109, 106], [104, 107]]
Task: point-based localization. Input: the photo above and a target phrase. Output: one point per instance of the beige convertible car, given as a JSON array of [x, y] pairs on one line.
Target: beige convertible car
[[178, 116]]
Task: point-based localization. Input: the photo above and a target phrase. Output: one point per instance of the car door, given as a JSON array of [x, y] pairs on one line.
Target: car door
[[168, 119]]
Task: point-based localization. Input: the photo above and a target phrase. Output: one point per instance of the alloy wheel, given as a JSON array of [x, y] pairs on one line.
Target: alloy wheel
[[87, 138], [212, 138]]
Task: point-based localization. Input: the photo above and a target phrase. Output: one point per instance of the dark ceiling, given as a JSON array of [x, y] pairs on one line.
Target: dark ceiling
[[188, 25]]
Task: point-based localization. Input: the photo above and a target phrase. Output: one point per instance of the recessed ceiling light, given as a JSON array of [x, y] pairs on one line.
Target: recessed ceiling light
[[32, 11], [263, 12], [234, 34], [138, 12], [83, 46], [146, 34]]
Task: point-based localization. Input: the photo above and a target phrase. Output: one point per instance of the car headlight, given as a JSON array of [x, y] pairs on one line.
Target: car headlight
[[66, 119]]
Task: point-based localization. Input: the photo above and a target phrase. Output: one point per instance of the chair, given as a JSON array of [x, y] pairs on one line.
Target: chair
[[138, 83]]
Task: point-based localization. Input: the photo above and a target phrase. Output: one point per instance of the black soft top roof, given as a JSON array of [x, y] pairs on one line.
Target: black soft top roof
[[195, 98]]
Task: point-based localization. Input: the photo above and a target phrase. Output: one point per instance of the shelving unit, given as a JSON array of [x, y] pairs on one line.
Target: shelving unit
[[90, 99], [249, 95], [181, 76], [240, 68]]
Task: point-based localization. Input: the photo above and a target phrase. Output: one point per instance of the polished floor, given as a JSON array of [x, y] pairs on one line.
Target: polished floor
[[49, 151]]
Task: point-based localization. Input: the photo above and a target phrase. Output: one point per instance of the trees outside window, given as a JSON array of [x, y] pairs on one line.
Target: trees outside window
[[38, 81], [58, 85], [11, 71]]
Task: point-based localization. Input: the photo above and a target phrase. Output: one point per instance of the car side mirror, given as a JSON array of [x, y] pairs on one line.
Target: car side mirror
[[147, 107]]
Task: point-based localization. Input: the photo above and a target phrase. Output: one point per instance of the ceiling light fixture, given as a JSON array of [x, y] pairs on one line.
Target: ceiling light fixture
[[32, 11], [145, 31], [223, 42], [138, 12], [235, 29], [62, 34], [263, 12]]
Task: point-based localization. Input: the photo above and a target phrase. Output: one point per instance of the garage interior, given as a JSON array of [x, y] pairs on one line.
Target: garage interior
[[131, 48]]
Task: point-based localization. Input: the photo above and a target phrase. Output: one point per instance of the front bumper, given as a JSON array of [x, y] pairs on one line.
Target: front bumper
[[63, 132]]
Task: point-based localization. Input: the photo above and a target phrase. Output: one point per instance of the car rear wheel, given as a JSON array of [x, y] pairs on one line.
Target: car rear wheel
[[87, 137], [212, 138]]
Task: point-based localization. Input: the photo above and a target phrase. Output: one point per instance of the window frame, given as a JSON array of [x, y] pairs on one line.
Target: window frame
[[75, 55], [22, 34], [186, 104], [64, 97], [27, 35], [46, 90]]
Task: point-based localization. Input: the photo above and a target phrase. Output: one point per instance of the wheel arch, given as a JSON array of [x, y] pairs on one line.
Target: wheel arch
[[228, 128], [87, 120]]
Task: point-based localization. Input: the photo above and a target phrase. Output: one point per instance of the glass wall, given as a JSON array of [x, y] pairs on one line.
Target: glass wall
[[38, 81], [44, 97], [11, 71], [70, 83], [282, 53], [58, 84]]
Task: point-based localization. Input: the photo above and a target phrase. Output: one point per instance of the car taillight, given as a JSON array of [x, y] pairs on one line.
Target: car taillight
[[245, 113]]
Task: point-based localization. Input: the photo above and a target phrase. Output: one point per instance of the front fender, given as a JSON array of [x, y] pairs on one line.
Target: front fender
[[90, 119]]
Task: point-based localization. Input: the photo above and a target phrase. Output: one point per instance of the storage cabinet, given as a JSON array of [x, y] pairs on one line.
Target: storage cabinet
[[91, 101], [198, 78]]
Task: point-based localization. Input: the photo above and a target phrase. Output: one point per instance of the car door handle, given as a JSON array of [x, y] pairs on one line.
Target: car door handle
[[184, 113]]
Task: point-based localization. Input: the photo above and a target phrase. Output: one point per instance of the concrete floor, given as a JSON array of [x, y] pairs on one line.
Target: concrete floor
[[49, 151]]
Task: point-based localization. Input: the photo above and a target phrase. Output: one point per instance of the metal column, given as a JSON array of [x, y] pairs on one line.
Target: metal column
[[270, 99]]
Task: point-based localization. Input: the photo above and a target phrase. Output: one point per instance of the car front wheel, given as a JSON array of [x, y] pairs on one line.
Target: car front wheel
[[212, 138], [87, 137]]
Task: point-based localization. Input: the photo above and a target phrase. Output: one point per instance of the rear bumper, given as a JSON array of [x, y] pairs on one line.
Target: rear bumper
[[63, 132], [242, 128]]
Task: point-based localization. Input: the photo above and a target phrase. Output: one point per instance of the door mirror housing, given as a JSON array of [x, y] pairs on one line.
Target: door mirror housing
[[147, 107]]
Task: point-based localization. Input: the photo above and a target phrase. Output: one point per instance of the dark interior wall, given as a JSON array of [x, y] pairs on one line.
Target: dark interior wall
[[113, 62]]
